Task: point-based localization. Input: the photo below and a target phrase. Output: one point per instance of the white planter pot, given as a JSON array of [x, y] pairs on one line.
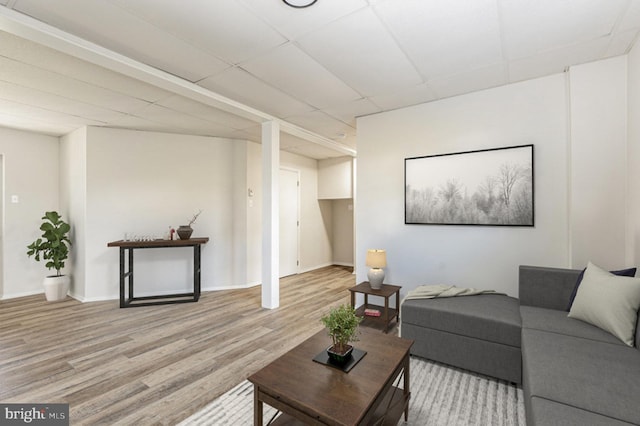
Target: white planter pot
[[56, 288]]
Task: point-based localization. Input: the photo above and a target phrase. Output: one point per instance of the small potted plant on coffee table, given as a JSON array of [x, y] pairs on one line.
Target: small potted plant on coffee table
[[342, 325]]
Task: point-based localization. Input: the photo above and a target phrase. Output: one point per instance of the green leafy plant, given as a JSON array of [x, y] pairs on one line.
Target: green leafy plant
[[342, 326], [54, 244]]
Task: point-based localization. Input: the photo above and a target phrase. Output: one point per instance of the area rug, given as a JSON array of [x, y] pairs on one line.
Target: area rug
[[440, 395]]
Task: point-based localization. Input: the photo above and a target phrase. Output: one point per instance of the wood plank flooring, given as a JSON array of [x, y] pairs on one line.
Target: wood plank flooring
[[158, 364]]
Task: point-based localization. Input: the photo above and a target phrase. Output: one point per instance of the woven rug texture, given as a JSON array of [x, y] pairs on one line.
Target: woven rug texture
[[440, 396]]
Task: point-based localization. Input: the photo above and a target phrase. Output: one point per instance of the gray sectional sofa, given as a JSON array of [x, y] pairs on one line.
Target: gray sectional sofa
[[479, 333], [572, 373]]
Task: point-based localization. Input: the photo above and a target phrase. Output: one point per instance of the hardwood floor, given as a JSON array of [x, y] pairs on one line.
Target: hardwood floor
[[159, 364]]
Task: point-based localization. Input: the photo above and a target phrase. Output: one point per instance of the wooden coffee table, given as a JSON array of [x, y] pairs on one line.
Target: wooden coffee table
[[312, 393]]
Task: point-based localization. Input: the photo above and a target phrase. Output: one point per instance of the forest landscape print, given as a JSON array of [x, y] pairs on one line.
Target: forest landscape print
[[492, 187]]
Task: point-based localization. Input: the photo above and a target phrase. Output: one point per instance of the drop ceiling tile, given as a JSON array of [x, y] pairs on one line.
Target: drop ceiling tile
[[470, 81], [622, 42], [133, 122], [51, 102], [631, 19], [315, 151], [50, 82], [33, 124], [241, 86], [322, 124], [205, 112], [253, 134], [186, 123], [44, 115], [533, 27], [43, 57], [557, 60], [227, 29], [404, 97], [443, 37], [295, 22], [288, 141], [361, 52], [110, 26], [138, 123], [347, 112], [294, 72]]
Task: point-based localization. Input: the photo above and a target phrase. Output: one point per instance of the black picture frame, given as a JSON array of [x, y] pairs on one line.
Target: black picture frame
[[488, 187]]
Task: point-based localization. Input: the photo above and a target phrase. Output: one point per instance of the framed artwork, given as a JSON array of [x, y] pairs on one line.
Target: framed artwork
[[490, 187]]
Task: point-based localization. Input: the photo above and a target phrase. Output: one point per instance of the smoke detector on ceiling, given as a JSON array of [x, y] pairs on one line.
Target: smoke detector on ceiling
[[299, 3]]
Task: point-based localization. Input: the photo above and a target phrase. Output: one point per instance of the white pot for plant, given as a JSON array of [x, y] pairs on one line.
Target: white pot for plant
[[56, 287]]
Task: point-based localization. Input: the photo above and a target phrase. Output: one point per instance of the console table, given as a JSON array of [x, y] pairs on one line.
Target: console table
[[127, 260]]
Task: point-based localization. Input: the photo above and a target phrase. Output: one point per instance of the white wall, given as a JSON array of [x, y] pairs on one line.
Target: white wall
[[73, 196], [254, 214], [31, 173], [586, 201], [598, 150], [475, 256], [633, 157], [343, 233], [144, 182], [315, 215]]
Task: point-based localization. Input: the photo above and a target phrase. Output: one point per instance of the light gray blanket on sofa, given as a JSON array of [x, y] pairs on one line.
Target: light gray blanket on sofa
[[441, 290]]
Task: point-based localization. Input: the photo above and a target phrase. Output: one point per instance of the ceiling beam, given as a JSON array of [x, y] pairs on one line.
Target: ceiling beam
[[39, 32]]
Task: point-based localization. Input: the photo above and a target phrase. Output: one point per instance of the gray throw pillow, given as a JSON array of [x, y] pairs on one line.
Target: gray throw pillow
[[609, 302]]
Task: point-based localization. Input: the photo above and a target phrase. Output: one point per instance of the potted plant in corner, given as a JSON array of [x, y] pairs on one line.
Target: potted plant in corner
[[53, 247], [342, 325]]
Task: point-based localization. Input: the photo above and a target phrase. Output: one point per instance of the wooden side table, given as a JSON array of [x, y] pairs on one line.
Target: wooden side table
[[387, 313]]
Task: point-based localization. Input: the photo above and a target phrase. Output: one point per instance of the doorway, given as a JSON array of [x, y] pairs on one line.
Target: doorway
[[289, 221]]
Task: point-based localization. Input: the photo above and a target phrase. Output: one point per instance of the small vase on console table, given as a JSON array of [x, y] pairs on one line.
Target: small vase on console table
[[184, 232]]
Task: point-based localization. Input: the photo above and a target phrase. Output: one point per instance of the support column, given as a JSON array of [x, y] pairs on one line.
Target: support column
[[270, 214]]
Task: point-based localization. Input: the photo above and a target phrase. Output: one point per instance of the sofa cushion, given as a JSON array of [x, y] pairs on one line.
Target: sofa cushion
[[595, 376], [555, 321], [481, 356], [491, 317], [609, 302], [631, 272], [550, 413], [546, 287]]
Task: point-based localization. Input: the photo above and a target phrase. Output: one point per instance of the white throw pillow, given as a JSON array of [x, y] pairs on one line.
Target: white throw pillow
[[609, 302]]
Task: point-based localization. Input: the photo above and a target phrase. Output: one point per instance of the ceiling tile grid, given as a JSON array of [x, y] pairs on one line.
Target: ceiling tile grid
[[110, 26], [318, 67], [225, 29], [360, 51], [436, 34], [242, 86], [48, 59], [294, 72]]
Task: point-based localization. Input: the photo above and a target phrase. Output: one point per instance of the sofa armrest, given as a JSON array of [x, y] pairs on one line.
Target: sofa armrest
[[544, 287]]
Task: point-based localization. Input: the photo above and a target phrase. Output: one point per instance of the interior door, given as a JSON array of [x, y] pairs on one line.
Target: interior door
[[289, 223]]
